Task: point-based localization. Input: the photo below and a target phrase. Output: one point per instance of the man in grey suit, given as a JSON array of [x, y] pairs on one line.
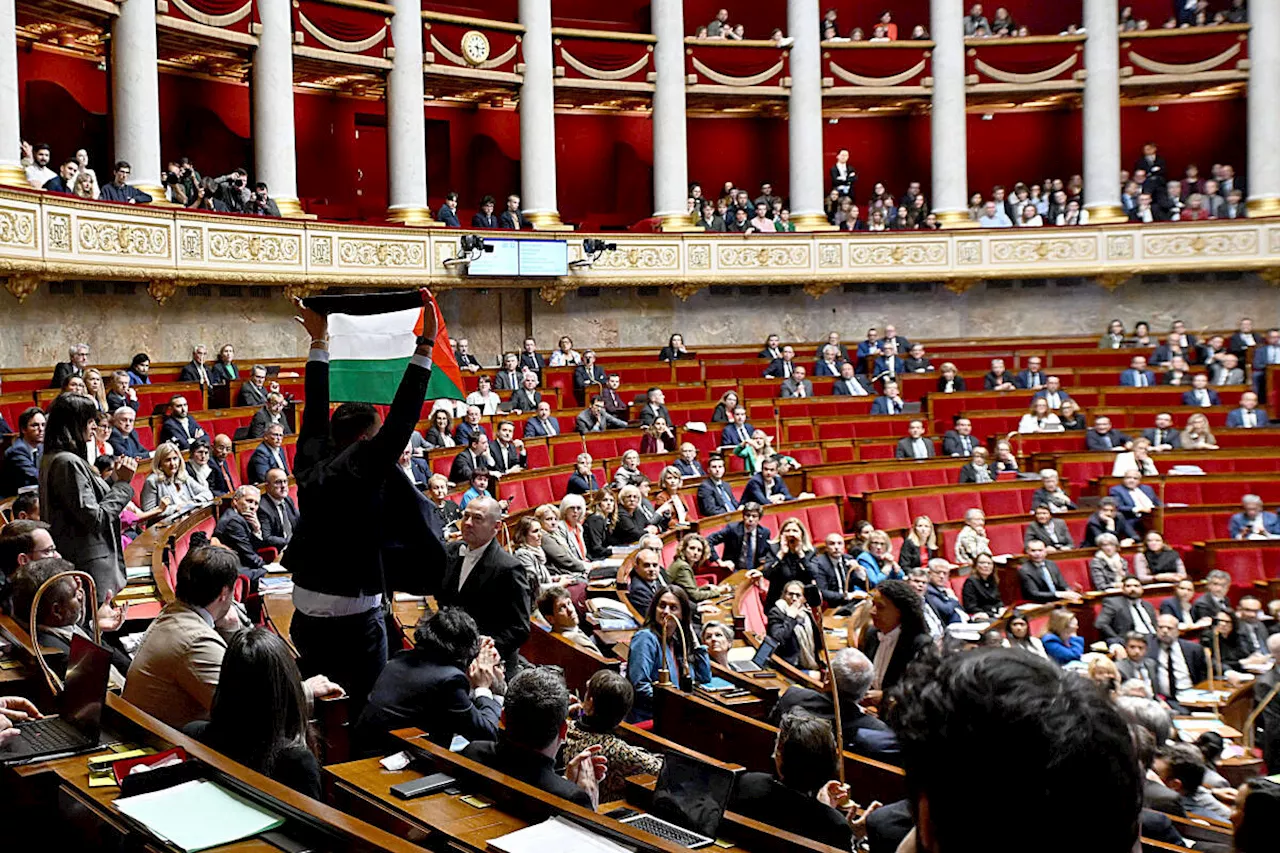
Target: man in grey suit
[[1049, 530], [916, 445], [1135, 665], [1227, 371], [797, 385], [597, 419]]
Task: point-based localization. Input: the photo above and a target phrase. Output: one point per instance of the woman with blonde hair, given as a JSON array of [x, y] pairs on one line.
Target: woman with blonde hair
[[920, 545], [527, 548], [96, 389], [667, 499], [693, 558], [85, 186], [794, 553], [1137, 459], [1039, 418], [1108, 567], [1197, 435], [169, 479], [949, 379], [878, 561], [1062, 642], [598, 528]]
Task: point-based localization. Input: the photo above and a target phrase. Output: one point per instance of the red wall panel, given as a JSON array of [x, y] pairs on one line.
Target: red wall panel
[[893, 149], [1200, 132], [63, 101], [207, 121], [1024, 145], [334, 153], [604, 169], [746, 151]]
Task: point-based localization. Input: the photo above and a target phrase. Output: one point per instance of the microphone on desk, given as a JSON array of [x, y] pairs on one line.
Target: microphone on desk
[[664, 674]]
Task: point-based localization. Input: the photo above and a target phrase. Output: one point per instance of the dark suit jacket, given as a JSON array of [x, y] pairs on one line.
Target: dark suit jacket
[[513, 457], [907, 650], [421, 472], [115, 401], [1189, 397], [791, 388], [830, 578], [524, 400], [1108, 441], [1033, 587], [754, 490], [778, 369], [464, 465], [496, 595], [580, 485], [863, 733], [593, 376], [61, 371], [234, 532], [19, 469], [261, 462], [782, 629], [732, 537], [535, 428], [881, 406], [648, 415], [640, 592], [733, 435], [1270, 717], [689, 469], [903, 450], [401, 548], [481, 220], [530, 767], [1116, 619], [1025, 379], [262, 420], [840, 388], [504, 381], [1235, 418], [431, 696], [1094, 528], [448, 217], [586, 422], [128, 445], [1192, 652], [191, 372], [1128, 669], [1204, 606], [953, 444], [1039, 532], [712, 500], [887, 826], [251, 395], [1171, 437], [767, 799], [172, 431], [272, 528]]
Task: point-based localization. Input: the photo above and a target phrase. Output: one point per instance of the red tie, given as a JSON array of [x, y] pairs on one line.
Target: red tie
[[582, 546]]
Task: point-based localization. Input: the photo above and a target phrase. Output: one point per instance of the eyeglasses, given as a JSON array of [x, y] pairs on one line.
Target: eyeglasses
[[51, 551]]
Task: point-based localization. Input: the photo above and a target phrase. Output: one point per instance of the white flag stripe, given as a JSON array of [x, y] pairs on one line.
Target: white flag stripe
[[372, 338]]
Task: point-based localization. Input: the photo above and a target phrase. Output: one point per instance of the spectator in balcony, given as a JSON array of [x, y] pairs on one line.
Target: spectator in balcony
[[1073, 214], [1030, 217], [716, 28], [512, 219], [1171, 204], [738, 33], [843, 177], [993, 216], [853, 220], [64, 182], [119, 190], [767, 197], [976, 23], [1196, 210], [919, 33], [782, 221], [233, 189], [206, 197], [85, 186], [485, 218], [1144, 211], [1002, 24], [35, 162], [740, 224], [261, 203], [711, 221], [877, 222], [762, 223], [1197, 435], [1200, 394], [1129, 198], [700, 33], [448, 213]]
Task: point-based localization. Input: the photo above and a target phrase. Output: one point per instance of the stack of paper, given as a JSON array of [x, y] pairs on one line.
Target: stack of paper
[[198, 815], [556, 834]]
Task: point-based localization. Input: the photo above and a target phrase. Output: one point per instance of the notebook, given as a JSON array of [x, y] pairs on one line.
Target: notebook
[[197, 815]]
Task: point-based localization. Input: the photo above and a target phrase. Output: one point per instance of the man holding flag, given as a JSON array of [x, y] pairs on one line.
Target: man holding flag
[[363, 531]]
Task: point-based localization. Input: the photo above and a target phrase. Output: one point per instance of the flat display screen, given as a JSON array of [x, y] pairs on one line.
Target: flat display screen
[[515, 258]]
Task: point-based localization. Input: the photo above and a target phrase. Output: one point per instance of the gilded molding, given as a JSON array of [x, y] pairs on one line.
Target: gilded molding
[[22, 286], [17, 228], [162, 289], [1111, 281], [686, 288], [108, 237], [819, 289]]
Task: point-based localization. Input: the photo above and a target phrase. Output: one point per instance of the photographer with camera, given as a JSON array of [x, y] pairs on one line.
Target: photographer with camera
[[261, 204], [234, 191]]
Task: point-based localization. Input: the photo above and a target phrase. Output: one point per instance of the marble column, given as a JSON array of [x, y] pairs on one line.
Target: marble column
[[135, 94], [272, 89], [1102, 112], [947, 118], [11, 173], [1263, 174], [670, 134], [406, 122], [804, 120], [538, 118]]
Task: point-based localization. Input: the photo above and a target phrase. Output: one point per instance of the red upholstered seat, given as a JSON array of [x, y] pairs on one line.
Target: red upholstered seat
[[1075, 572], [1244, 565], [890, 513]]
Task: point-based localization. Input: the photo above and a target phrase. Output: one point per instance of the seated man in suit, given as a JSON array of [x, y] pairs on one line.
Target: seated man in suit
[[448, 213], [889, 363], [1137, 376], [1180, 664], [1181, 767], [959, 441], [583, 480], [534, 724], [542, 425], [1007, 696], [1135, 499], [1041, 579], [179, 426], [591, 377], [772, 348], [195, 370], [475, 457], [1163, 436], [466, 361], [527, 397], [1214, 601], [613, 402], [596, 418], [1102, 437], [469, 424], [783, 367], [1227, 371], [1049, 530], [507, 451], [486, 581], [655, 407], [271, 413], [1253, 522], [415, 468], [1248, 416], [1200, 394], [830, 571], [21, 466], [687, 463], [124, 439], [1270, 717], [530, 358], [863, 733], [1253, 632], [222, 479], [897, 637], [253, 392], [267, 455], [443, 685], [916, 445], [767, 487], [510, 377], [848, 385], [797, 385], [890, 402], [1052, 393], [738, 431], [1031, 378], [714, 495], [1123, 614], [241, 531], [746, 543], [277, 513], [1108, 520], [647, 579], [1135, 665]]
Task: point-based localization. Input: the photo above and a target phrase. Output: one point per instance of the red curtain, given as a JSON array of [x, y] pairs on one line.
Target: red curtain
[[605, 55], [877, 62], [1183, 48], [342, 22], [216, 7], [738, 61], [1029, 59]]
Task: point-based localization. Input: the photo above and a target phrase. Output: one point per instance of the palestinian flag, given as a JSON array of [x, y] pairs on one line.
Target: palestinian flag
[[371, 339]]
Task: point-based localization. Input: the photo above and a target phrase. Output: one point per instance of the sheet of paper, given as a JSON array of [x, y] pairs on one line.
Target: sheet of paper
[[556, 834], [198, 815]]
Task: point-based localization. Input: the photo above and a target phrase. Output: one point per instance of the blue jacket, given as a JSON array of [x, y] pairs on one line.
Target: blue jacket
[[172, 431], [882, 366], [1235, 418], [261, 462], [735, 435], [128, 445], [754, 490], [875, 573], [448, 217], [881, 407], [645, 660], [732, 536], [1063, 652], [21, 468], [1130, 378], [1124, 501], [534, 428], [1270, 523], [948, 609], [1189, 397], [712, 499], [822, 369], [1024, 379]]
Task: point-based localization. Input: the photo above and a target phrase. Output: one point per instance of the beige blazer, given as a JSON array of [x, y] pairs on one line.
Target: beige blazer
[[176, 669]]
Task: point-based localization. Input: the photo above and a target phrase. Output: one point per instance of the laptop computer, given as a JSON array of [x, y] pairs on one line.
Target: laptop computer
[[78, 728], [688, 801], [759, 659]]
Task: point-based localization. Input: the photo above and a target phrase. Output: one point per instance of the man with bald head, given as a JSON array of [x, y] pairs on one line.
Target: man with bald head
[[487, 582]]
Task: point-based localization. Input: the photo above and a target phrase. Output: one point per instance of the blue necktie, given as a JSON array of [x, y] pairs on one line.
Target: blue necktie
[[750, 551], [1048, 578], [728, 496]]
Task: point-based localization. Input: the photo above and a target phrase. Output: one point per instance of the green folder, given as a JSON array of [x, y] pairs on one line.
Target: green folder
[[198, 815]]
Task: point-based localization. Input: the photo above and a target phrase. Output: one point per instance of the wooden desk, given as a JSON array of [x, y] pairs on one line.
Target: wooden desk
[[56, 796]]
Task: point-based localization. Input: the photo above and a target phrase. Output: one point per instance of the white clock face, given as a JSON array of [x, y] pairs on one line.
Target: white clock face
[[475, 47]]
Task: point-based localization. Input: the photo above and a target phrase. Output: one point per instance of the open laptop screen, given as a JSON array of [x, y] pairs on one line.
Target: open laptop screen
[[80, 704], [692, 794]]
